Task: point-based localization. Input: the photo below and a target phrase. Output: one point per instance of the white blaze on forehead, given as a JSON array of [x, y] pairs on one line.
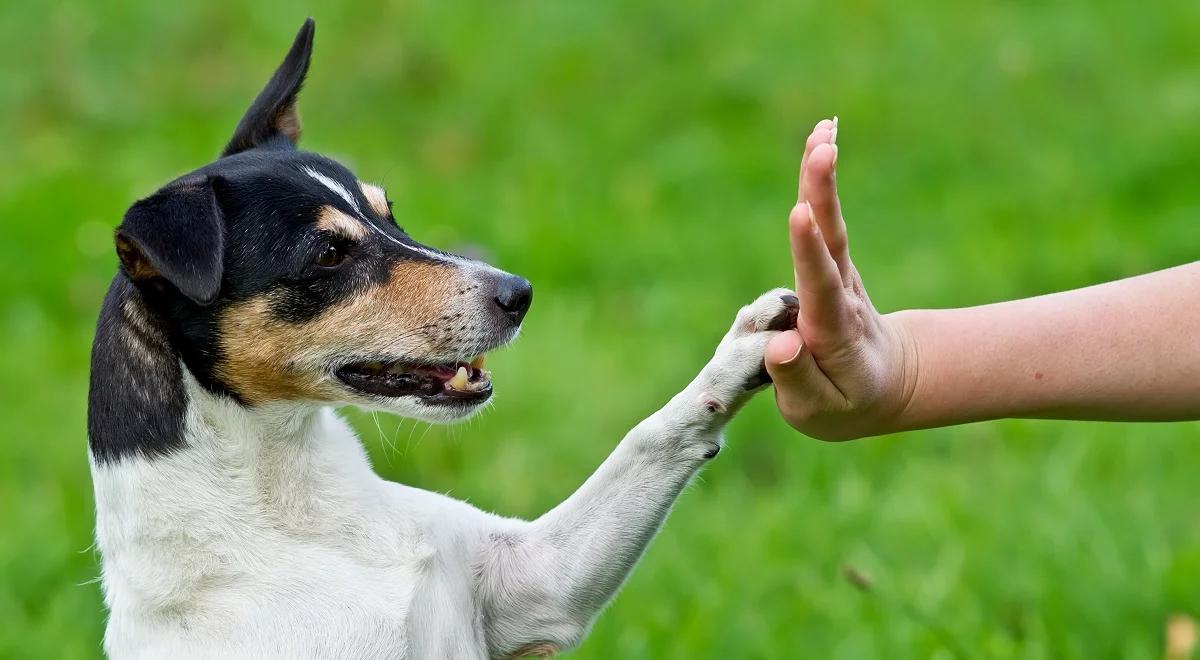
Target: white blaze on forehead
[[341, 191], [337, 188]]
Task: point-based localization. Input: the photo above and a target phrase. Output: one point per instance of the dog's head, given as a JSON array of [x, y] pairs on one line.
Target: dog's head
[[281, 277]]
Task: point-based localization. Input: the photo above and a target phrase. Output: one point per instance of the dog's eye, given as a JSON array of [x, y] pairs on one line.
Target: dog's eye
[[331, 256]]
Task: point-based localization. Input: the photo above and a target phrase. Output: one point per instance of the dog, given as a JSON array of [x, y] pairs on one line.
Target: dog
[[237, 514]]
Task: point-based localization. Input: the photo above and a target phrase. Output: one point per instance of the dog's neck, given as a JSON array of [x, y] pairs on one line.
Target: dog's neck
[[224, 475], [284, 467]]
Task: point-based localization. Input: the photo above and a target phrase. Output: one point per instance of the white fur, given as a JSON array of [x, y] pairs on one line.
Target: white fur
[[269, 536], [337, 189], [340, 190]]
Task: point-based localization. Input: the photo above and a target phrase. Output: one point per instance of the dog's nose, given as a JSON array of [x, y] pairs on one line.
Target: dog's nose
[[514, 295]]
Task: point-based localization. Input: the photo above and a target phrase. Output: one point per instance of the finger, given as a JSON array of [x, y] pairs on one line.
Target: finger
[[793, 370], [820, 187], [818, 281], [821, 134]]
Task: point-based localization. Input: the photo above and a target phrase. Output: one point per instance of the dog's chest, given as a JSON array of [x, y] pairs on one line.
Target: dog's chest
[[286, 600], [333, 608], [231, 584], [226, 550]]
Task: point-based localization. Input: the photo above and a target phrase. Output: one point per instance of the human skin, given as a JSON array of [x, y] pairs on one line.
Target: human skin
[[1127, 350]]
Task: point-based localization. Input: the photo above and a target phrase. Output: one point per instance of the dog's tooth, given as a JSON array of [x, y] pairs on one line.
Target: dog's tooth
[[395, 368], [373, 366], [459, 382], [477, 363]]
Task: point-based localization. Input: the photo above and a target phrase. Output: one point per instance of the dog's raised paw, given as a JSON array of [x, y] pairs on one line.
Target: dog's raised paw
[[785, 319], [737, 367], [772, 311]]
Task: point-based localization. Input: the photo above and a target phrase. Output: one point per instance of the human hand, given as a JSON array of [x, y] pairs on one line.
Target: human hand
[[845, 371]]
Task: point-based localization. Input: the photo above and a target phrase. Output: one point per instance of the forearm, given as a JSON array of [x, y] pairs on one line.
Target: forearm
[[546, 580], [620, 507], [1124, 350]]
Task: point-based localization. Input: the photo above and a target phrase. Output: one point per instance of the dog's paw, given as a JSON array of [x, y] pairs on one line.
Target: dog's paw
[[736, 369], [774, 310]]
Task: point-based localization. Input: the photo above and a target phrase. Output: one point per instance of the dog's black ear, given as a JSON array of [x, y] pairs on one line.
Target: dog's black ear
[[272, 118], [177, 234]]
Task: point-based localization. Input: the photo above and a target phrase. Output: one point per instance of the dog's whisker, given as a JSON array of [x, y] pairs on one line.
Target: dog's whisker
[[379, 430], [428, 428], [408, 444], [395, 438], [95, 580]]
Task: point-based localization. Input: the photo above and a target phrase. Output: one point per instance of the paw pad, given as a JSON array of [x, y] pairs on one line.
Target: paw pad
[[712, 403], [786, 318]]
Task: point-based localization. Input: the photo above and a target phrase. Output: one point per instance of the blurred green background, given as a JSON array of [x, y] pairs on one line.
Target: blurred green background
[[636, 161]]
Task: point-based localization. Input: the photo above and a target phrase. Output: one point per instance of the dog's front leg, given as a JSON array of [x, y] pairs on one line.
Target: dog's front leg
[[543, 582]]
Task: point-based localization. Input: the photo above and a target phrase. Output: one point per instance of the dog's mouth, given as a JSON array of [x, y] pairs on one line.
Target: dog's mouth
[[450, 383]]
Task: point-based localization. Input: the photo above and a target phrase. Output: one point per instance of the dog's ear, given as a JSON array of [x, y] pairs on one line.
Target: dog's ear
[[272, 118], [177, 234]]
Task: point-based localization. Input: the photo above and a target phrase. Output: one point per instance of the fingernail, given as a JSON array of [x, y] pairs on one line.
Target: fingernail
[[835, 153], [796, 355], [833, 132]]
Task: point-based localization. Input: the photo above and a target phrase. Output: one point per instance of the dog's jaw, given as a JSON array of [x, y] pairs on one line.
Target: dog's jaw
[[413, 408]]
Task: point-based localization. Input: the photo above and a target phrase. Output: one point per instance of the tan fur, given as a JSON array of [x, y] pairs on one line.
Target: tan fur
[[376, 198], [288, 123], [136, 264], [536, 650], [267, 359], [335, 222]]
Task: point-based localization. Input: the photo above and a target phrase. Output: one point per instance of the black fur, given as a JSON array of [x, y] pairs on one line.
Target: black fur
[[136, 398], [179, 232]]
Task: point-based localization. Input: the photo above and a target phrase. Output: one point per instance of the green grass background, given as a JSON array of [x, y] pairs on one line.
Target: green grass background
[[636, 161]]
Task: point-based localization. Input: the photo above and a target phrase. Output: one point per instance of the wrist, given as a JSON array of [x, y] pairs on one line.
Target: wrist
[[904, 327]]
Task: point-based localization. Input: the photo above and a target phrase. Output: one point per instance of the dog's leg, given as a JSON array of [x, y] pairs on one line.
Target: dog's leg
[[543, 582]]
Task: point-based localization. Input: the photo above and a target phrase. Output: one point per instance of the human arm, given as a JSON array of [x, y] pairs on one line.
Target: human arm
[[1124, 350]]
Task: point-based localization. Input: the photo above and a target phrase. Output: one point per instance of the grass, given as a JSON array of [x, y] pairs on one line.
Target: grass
[[636, 162]]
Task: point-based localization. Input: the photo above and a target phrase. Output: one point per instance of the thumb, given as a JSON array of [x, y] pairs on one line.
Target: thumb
[[790, 365]]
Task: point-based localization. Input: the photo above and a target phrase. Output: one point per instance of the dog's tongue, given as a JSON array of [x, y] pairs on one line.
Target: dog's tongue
[[457, 377]]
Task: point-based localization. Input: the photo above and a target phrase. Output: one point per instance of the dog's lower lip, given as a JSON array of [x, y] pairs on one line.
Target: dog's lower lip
[[451, 383]]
